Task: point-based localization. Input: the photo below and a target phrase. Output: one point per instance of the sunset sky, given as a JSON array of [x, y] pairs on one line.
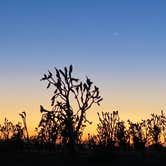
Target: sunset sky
[[119, 44]]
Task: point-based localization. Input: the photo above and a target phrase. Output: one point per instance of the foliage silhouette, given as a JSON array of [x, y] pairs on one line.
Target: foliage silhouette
[[63, 126], [10, 131], [122, 136], [6, 130], [138, 134], [111, 131], [49, 127], [23, 116], [156, 126], [70, 102], [107, 127]]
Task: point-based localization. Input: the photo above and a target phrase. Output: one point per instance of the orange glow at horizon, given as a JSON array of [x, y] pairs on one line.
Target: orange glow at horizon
[[132, 101]]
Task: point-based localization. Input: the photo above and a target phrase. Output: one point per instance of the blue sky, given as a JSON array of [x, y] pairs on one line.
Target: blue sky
[[120, 44], [36, 31]]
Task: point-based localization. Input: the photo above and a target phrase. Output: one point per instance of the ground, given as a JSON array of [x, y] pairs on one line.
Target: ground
[[95, 158]]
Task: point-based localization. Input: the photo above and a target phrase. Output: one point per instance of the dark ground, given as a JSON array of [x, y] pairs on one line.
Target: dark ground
[[95, 158]]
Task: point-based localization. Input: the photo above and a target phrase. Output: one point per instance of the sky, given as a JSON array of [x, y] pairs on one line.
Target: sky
[[120, 45]]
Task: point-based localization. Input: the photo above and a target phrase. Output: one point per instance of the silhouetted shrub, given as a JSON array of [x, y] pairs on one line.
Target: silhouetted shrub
[[70, 102]]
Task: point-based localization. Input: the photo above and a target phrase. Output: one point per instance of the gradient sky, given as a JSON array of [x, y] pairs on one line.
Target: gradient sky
[[119, 44]]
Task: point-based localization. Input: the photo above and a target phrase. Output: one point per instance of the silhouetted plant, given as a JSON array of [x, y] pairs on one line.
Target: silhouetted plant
[[6, 130], [11, 133], [138, 134], [92, 141], [156, 125], [70, 102], [107, 127], [18, 131], [23, 116], [49, 127], [122, 135]]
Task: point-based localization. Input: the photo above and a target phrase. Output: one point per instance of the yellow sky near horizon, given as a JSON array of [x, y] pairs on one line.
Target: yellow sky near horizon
[[11, 112], [134, 99]]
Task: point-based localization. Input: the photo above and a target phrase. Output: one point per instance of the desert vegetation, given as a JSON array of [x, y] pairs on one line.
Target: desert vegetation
[[60, 129]]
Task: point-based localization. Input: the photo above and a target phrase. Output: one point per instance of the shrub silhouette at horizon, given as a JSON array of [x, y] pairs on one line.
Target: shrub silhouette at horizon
[[70, 102], [62, 126]]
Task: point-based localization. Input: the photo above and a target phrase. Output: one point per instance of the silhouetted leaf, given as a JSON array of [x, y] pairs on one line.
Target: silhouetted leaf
[[65, 69], [99, 100], [42, 109], [74, 79], [58, 84], [80, 86], [62, 73], [57, 73], [52, 100], [70, 70], [77, 89], [44, 78], [48, 85], [50, 74], [85, 87], [89, 82], [21, 115], [55, 91], [24, 113]]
